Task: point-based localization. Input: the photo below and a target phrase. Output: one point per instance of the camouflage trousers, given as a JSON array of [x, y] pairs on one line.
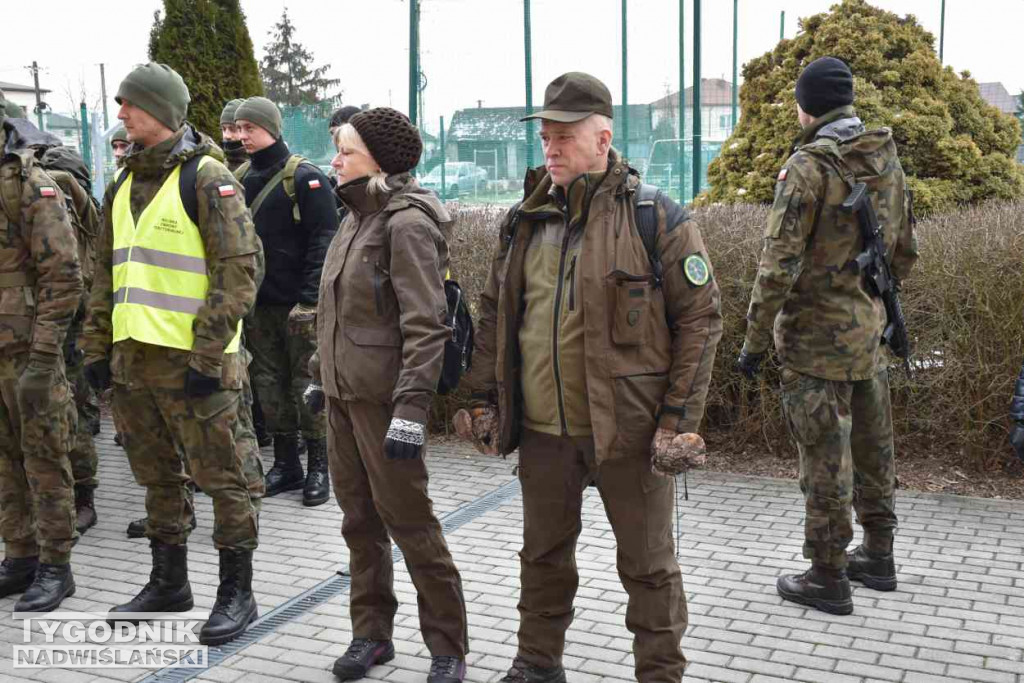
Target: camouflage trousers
[[843, 432], [161, 427], [83, 453], [37, 504], [280, 371], [247, 444], [554, 471]]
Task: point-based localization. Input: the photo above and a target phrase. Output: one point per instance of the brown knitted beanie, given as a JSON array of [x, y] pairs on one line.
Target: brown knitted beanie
[[391, 138]]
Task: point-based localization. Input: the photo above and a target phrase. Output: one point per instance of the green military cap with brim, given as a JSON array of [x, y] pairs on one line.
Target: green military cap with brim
[[573, 97]]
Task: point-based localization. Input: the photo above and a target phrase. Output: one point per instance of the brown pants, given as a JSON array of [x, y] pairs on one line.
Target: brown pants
[[554, 471], [382, 498]]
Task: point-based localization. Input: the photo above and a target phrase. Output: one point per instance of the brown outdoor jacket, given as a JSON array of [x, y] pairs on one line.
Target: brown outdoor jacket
[[646, 366], [380, 318]]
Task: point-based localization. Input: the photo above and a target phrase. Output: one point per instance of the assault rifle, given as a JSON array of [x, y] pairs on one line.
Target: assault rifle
[[871, 262]]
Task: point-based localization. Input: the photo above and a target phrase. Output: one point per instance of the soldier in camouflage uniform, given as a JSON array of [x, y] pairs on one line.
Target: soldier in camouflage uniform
[[176, 209], [828, 330], [40, 289]]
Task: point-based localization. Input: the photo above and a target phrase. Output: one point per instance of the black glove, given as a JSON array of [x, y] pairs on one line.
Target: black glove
[[404, 440], [314, 398], [749, 363], [198, 385], [98, 374], [1017, 438]]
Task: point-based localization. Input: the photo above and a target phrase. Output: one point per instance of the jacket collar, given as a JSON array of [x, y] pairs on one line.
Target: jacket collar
[[808, 134], [544, 197], [358, 199], [270, 156], [186, 143]]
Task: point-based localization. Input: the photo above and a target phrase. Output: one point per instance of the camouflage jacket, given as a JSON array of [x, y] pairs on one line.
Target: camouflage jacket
[[826, 323], [40, 272], [233, 254], [647, 350]]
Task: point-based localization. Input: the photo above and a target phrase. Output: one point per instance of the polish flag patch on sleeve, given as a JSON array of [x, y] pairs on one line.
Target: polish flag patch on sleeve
[[226, 190], [47, 191], [314, 184], [782, 175]]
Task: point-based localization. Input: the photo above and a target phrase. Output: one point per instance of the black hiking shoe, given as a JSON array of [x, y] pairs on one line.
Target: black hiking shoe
[[524, 672], [827, 590], [446, 669], [361, 654], [286, 474], [85, 508], [315, 491], [874, 571]]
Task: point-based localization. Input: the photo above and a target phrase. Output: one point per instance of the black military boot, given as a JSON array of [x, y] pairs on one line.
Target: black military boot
[[17, 574], [524, 672], [877, 571], [362, 653], [235, 607], [316, 492], [137, 529], [52, 583], [168, 589], [286, 474], [85, 510], [823, 588], [446, 669]]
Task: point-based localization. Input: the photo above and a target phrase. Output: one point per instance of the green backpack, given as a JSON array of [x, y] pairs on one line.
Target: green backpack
[[286, 176]]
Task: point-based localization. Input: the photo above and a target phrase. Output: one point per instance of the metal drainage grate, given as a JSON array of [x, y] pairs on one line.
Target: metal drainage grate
[[325, 590]]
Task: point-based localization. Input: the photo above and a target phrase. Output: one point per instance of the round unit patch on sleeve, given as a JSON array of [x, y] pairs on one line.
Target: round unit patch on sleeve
[[696, 270]]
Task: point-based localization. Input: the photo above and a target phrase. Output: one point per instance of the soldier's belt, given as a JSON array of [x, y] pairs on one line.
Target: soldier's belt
[[17, 279]]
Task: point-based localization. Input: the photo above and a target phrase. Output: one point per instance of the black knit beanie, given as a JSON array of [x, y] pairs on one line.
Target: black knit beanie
[[393, 141], [825, 84]]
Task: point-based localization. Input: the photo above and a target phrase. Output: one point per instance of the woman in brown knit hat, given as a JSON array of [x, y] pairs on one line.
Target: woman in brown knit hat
[[381, 335]]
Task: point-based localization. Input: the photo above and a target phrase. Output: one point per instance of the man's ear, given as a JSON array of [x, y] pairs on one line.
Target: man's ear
[[604, 141]]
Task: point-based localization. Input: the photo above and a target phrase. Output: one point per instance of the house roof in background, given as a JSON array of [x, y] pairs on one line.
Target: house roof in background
[[714, 92], [997, 95], [15, 87]]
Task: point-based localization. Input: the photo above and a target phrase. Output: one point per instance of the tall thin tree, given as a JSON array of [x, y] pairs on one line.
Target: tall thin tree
[[289, 76]]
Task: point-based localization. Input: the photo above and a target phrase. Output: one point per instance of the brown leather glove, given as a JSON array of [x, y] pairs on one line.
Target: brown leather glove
[[673, 453], [480, 427]]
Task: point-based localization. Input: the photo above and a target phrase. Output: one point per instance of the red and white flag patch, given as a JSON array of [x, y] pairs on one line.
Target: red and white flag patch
[[47, 191], [782, 175], [226, 190], [314, 184]]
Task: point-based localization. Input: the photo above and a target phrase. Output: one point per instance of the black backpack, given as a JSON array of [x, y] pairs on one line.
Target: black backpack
[[458, 351]]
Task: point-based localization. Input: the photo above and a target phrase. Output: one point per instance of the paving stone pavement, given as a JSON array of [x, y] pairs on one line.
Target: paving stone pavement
[[958, 614]]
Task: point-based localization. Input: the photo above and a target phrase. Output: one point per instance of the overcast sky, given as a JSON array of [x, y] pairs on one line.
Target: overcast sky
[[473, 49]]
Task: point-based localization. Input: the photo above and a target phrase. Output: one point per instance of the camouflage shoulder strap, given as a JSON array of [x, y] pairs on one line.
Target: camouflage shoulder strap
[[10, 191], [827, 148]]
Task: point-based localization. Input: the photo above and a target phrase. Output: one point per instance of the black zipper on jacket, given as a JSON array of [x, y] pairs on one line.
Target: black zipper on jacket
[[572, 283], [556, 322]]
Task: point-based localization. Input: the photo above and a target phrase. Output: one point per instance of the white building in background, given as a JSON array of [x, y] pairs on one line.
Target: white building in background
[[23, 95], [715, 111], [999, 97]]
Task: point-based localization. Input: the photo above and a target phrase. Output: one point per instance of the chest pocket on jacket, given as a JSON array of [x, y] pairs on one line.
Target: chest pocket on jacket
[[368, 292], [632, 301]]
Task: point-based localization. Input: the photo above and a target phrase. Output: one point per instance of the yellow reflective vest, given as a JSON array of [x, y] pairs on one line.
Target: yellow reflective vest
[[160, 278]]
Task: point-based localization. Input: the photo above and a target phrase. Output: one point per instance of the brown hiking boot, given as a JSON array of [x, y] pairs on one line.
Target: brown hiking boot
[[524, 672], [822, 588], [874, 571]]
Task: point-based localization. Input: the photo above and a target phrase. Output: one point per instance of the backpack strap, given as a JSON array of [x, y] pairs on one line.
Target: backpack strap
[[242, 170], [187, 187], [10, 194], [645, 211], [119, 178], [290, 168]]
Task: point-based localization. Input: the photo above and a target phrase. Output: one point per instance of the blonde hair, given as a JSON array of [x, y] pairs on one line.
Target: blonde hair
[[347, 136]]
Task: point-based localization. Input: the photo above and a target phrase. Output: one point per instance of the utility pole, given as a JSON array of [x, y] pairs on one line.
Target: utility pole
[[625, 83], [39, 96], [942, 30], [782, 25], [528, 54], [414, 58], [444, 162], [735, 65], [103, 92], [696, 100], [682, 101]]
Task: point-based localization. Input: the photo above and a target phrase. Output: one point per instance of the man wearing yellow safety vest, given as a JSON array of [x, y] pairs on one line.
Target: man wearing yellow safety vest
[[176, 272]]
